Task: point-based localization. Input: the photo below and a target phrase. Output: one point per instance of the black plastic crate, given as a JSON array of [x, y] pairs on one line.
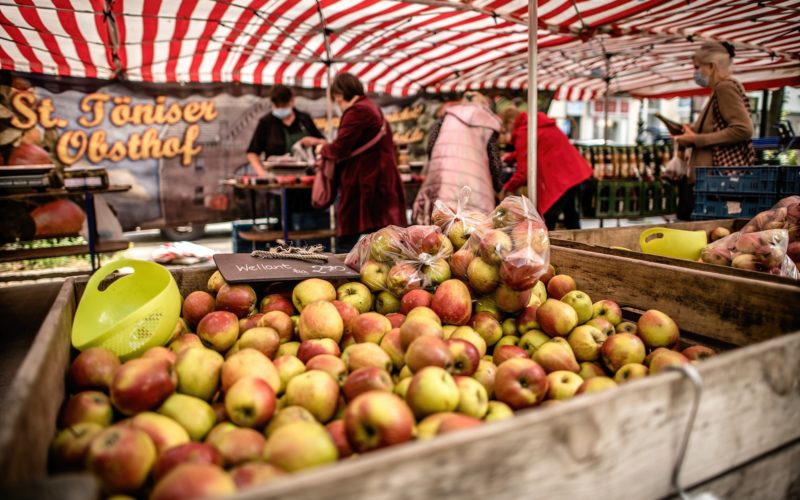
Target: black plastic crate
[[745, 180]]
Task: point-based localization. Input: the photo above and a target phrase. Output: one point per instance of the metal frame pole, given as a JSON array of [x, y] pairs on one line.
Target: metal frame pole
[[533, 59]]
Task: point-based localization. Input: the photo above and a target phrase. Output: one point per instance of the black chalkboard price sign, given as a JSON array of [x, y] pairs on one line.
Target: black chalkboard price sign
[[243, 268]]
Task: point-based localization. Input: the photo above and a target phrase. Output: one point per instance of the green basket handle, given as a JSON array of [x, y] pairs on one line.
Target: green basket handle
[[108, 269]]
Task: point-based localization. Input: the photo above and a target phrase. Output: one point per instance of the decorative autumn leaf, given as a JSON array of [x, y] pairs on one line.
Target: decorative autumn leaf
[[5, 112], [9, 135]]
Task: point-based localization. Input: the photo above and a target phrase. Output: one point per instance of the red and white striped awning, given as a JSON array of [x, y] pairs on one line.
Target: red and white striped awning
[[400, 47]]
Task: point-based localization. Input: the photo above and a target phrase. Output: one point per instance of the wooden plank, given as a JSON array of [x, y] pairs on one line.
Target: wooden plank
[[731, 309], [23, 308], [774, 476], [616, 444], [602, 241], [686, 264], [293, 235], [628, 236], [31, 404], [62, 251], [60, 487], [64, 192]]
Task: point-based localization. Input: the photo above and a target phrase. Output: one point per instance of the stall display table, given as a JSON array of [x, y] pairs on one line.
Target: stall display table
[[94, 246]]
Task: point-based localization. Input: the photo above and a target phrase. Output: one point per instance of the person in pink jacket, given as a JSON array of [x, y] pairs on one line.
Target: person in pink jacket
[[463, 151], [560, 168]]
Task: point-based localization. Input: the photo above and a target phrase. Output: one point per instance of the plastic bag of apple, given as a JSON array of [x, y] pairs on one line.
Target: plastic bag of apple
[[459, 222], [764, 251], [509, 251], [395, 260], [248, 391]]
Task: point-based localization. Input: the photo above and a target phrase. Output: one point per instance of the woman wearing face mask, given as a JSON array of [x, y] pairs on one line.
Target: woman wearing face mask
[[371, 193], [722, 135], [279, 130], [275, 135]]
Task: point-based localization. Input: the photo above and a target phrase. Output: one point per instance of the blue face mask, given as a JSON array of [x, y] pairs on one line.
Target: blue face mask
[[282, 113], [700, 79]]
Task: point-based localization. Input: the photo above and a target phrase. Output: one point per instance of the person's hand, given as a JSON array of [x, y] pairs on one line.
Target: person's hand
[[309, 141], [687, 137]]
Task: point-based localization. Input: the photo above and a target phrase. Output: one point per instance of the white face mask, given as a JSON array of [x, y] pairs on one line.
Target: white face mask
[[282, 113]]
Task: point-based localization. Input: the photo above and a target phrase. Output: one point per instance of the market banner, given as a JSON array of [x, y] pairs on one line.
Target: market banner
[[173, 146]]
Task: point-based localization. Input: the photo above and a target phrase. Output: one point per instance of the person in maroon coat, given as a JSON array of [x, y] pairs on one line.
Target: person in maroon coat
[[371, 193]]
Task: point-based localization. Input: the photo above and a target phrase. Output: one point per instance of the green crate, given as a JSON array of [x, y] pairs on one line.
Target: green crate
[[659, 198], [616, 198]]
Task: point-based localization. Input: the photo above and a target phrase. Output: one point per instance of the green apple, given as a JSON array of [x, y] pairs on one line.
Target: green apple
[[386, 303], [316, 391], [312, 290], [532, 340], [630, 371], [563, 384], [288, 349], [596, 384], [320, 320], [432, 390], [194, 414], [198, 372], [485, 374], [164, 431], [356, 294], [300, 445], [585, 341], [473, 399], [582, 304], [373, 274], [497, 410]]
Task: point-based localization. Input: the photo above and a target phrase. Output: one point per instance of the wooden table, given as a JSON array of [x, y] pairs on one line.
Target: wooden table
[[281, 189], [93, 248]]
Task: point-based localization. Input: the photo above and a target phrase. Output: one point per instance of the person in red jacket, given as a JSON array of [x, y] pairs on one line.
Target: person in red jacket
[[371, 194], [560, 168]]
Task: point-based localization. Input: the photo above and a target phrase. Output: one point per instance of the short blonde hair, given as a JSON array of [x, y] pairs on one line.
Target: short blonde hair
[[477, 98], [719, 54]]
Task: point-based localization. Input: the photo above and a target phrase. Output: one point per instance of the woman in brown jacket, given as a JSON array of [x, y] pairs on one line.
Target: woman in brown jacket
[[722, 135]]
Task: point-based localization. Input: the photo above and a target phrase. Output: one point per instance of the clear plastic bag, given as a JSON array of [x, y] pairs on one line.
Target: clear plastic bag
[[511, 247], [789, 200], [786, 217], [460, 222], [402, 259], [763, 251]]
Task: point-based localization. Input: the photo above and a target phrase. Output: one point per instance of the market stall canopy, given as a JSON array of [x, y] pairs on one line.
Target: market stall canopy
[[401, 47]]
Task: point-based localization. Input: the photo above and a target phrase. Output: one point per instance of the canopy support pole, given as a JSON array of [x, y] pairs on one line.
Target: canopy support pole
[[605, 115], [533, 98]]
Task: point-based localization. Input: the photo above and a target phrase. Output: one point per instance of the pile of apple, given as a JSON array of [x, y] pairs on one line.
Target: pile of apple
[[248, 391]]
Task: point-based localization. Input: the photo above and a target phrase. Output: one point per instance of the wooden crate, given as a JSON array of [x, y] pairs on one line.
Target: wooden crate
[[616, 444], [604, 240]]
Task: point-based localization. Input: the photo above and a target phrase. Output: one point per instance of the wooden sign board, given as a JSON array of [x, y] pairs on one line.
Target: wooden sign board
[[243, 268]]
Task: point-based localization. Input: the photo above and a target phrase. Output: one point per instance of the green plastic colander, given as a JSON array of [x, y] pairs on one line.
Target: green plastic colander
[[133, 313]]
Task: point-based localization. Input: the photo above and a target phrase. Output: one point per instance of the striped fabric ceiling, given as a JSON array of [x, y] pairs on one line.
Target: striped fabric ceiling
[[401, 47]]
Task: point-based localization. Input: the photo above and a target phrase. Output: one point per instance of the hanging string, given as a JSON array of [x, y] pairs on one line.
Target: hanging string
[[309, 253]]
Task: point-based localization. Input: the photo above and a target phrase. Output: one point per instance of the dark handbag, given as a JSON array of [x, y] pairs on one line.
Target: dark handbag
[[323, 191]]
